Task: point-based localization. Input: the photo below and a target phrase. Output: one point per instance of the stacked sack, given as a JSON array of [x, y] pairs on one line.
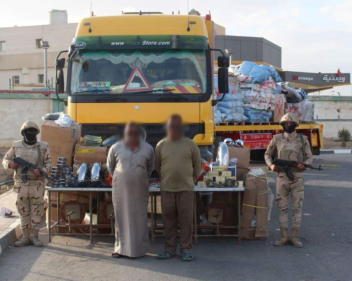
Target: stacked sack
[[258, 85], [230, 108]]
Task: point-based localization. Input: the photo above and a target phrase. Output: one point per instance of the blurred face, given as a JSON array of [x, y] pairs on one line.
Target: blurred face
[[289, 127], [174, 128], [132, 136]]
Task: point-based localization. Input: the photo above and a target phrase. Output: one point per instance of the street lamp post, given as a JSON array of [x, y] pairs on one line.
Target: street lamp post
[[45, 45]]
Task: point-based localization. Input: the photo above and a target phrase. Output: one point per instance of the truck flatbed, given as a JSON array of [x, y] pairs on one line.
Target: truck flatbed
[[257, 136]]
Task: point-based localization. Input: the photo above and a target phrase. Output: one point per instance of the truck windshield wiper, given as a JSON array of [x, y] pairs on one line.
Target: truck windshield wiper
[[174, 97], [167, 91], [102, 99]]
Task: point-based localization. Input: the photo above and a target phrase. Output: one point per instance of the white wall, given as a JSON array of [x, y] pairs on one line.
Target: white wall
[[335, 113], [14, 112]]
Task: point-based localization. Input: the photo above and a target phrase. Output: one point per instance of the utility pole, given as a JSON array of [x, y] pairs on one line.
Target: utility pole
[[45, 45]]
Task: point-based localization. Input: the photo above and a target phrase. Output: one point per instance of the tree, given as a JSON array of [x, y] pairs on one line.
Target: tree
[[344, 135]]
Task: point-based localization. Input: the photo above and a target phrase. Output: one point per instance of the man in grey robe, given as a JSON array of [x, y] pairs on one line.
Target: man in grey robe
[[131, 162]]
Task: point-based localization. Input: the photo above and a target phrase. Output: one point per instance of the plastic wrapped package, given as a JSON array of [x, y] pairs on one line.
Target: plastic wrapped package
[[253, 70], [272, 72], [244, 87], [217, 116], [230, 104], [256, 115], [244, 79], [223, 155], [52, 116], [307, 109], [292, 95], [277, 90], [64, 120], [236, 117], [295, 108], [302, 93], [260, 96], [231, 110], [279, 112]]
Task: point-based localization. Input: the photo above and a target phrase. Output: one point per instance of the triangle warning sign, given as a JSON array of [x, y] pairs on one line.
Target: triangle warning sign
[[137, 82]]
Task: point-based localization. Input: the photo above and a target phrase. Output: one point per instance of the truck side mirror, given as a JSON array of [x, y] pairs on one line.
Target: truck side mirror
[[60, 83], [223, 80], [60, 63], [223, 61]]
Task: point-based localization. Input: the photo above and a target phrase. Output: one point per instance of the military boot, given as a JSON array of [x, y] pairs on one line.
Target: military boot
[[35, 240], [294, 238], [25, 239], [284, 238]]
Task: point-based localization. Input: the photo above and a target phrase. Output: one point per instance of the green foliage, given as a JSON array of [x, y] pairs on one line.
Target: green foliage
[[344, 135]]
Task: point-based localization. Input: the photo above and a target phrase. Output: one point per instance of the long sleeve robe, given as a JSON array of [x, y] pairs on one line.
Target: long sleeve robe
[[130, 171]]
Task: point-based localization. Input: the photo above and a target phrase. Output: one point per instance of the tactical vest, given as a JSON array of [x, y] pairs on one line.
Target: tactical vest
[[32, 154]]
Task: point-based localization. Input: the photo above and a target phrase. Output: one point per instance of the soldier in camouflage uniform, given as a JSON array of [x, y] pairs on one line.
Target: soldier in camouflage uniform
[[294, 147], [30, 195]]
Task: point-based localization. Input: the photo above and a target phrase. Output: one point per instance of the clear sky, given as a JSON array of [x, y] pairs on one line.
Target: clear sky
[[316, 35]]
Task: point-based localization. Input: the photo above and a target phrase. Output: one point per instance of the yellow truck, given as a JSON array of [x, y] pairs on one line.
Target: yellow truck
[[143, 67]]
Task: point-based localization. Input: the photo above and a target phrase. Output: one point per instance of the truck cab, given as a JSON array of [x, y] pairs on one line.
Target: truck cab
[[142, 67]]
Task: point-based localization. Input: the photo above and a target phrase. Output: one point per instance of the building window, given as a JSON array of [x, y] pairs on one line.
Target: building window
[[40, 78], [37, 43], [2, 46], [16, 79]]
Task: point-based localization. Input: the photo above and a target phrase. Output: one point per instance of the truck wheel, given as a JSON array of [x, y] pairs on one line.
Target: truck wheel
[[316, 151], [257, 155]]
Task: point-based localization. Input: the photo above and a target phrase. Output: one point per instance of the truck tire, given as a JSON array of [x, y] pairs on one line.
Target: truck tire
[[258, 154]]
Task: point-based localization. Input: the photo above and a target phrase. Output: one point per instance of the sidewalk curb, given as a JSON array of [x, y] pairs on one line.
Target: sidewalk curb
[[9, 235], [336, 151]]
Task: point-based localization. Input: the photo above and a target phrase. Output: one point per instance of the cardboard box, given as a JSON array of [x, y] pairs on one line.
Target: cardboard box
[[242, 155], [214, 173], [90, 154], [226, 174], [220, 179], [255, 203], [80, 196], [61, 141]]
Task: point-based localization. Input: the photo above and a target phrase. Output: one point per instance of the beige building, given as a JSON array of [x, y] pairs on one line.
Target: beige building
[[22, 58]]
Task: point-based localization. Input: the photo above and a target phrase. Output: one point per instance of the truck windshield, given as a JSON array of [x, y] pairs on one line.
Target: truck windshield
[[133, 72]]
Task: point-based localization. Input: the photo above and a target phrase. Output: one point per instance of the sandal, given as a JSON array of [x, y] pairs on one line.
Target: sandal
[[187, 257], [165, 255], [116, 255]]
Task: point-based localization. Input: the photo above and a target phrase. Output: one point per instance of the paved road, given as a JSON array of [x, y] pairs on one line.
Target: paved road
[[327, 234]]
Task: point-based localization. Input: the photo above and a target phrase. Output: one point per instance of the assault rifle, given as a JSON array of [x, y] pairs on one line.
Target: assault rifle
[[286, 165], [25, 166]]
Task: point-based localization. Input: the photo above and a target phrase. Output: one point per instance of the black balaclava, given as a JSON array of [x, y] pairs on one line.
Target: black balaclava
[[289, 128], [28, 138]]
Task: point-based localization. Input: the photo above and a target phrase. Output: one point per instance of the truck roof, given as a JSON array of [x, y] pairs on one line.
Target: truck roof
[[145, 24]]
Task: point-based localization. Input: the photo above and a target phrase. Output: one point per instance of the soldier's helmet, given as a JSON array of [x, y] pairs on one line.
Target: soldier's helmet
[[289, 117], [29, 125]]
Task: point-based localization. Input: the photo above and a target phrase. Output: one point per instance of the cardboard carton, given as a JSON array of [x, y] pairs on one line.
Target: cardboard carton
[[255, 202], [90, 154], [242, 155], [61, 141]]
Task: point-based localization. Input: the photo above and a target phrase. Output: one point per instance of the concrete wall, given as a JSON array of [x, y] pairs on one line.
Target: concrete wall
[[335, 113], [15, 109]]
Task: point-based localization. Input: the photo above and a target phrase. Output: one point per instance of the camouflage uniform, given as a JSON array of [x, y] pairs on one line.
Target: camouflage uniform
[[289, 147], [30, 195]]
